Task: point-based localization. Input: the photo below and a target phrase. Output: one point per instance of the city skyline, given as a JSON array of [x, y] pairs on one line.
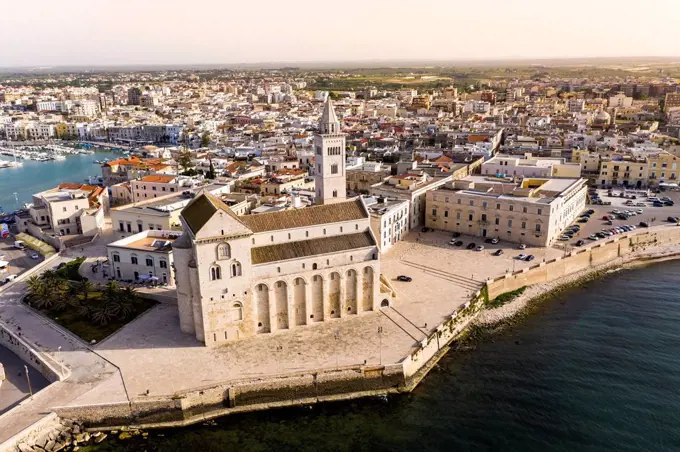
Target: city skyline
[[130, 33]]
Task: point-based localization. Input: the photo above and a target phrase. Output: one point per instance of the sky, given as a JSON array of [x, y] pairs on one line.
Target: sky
[[115, 32]]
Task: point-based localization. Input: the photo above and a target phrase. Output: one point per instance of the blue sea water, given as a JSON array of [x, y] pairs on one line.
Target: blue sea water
[[34, 177], [595, 369]]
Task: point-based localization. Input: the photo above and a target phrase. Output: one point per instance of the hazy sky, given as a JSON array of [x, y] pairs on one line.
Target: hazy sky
[[65, 32]]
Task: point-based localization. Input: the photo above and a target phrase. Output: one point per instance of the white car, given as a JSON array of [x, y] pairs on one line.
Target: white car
[[522, 246], [520, 256], [639, 211], [479, 248], [8, 278], [35, 256]]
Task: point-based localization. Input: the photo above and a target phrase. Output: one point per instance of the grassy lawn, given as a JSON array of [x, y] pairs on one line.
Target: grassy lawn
[[87, 330]]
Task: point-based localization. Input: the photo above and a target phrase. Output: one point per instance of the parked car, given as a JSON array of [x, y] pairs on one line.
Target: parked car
[[495, 240], [673, 219], [425, 229], [404, 278], [606, 217], [575, 227], [658, 204], [35, 256], [480, 248], [609, 223], [583, 220], [593, 237], [590, 211], [489, 240], [643, 224], [668, 203], [498, 252], [580, 243], [640, 204], [8, 278], [522, 246], [639, 211], [529, 258], [471, 246], [521, 256], [458, 243], [456, 235]]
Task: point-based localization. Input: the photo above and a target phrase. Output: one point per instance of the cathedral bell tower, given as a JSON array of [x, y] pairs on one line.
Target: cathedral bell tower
[[329, 158]]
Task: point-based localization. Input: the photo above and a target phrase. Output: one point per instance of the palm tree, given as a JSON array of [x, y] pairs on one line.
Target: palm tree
[[81, 298], [103, 314]]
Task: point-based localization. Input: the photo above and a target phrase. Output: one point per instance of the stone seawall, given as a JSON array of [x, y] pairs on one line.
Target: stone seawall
[[50, 369]]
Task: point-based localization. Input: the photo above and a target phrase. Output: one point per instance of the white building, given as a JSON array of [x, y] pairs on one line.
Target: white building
[[529, 166], [153, 186], [143, 256], [389, 221], [329, 146], [620, 100]]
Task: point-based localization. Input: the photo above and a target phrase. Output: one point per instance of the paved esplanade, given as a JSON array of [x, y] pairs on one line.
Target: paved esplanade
[[88, 369]]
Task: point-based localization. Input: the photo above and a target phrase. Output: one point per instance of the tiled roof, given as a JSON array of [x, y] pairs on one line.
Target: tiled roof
[[312, 247], [202, 208], [308, 216], [158, 178]]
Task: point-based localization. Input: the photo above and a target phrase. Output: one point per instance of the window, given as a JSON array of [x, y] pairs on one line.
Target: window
[[540, 211], [457, 215], [133, 259], [314, 266], [498, 207], [121, 226], [149, 262], [483, 217], [215, 272], [524, 224], [538, 228], [472, 202], [434, 212], [236, 312], [484, 204], [446, 214], [512, 207], [509, 223], [116, 258], [334, 168], [163, 264], [306, 233], [64, 209], [524, 209], [459, 200], [235, 269], [470, 217], [498, 221], [335, 193]]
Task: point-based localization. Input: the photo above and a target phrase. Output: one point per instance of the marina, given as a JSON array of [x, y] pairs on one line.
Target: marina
[[20, 178]]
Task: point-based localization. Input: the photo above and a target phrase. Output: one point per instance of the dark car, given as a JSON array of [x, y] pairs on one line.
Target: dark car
[[458, 243], [425, 229], [583, 220], [658, 204], [529, 258], [580, 243], [673, 219], [668, 203], [498, 252], [643, 224], [404, 278], [471, 246], [590, 211], [456, 234], [489, 240]]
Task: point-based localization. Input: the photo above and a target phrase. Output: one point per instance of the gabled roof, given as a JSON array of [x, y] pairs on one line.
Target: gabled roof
[[199, 211], [312, 247], [308, 216], [328, 116]]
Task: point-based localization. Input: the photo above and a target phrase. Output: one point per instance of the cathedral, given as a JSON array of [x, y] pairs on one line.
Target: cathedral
[[242, 276]]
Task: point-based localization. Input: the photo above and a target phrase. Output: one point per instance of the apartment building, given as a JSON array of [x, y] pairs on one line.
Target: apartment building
[[627, 173], [534, 211], [663, 167], [65, 212], [153, 186], [389, 221], [145, 256]]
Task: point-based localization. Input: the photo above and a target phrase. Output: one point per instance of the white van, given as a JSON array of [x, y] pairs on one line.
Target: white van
[[19, 244]]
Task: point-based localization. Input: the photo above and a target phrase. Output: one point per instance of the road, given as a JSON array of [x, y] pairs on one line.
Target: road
[[88, 369], [15, 388]]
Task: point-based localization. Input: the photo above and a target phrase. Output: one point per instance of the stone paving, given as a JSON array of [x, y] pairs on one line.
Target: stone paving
[[155, 356]]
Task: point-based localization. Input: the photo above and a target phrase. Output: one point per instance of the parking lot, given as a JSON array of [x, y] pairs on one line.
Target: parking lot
[[650, 214], [19, 260]]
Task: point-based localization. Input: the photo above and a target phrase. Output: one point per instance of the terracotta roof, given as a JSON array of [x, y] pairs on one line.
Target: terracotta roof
[[162, 178], [312, 247], [202, 208], [308, 216]]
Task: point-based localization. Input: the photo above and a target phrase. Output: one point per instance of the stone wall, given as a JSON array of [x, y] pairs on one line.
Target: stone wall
[[582, 259], [51, 370]]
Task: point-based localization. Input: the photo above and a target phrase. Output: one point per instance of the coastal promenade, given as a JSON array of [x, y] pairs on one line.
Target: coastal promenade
[[150, 374]]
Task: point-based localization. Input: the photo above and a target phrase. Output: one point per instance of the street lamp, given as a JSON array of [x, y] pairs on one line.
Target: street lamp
[[28, 379], [380, 332], [336, 336]]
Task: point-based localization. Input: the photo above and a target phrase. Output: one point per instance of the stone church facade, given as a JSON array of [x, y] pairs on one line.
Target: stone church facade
[[243, 276]]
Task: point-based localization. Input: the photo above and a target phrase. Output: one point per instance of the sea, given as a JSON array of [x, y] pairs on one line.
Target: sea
[[596, 368], [34, 177]]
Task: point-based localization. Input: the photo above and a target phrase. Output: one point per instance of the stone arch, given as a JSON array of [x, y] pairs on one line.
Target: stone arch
[[223, 251], [351, 291], [235, 269], [385, 303], [261, 296], [317, 298], [367, 289], [281, 304], [334, 295], [300, 301], [215, 272]]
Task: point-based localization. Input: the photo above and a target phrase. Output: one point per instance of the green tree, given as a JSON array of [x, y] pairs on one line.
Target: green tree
[[205, 139], [185, 160]]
